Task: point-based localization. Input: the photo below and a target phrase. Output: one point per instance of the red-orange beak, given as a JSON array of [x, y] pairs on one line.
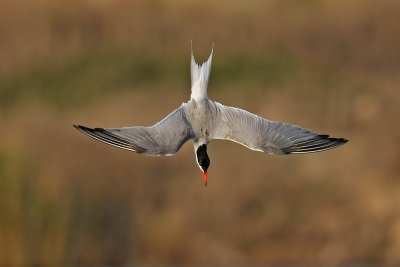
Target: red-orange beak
[[205, 178]]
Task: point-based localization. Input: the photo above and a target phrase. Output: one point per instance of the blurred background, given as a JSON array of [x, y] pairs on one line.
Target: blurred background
[[66, 200]]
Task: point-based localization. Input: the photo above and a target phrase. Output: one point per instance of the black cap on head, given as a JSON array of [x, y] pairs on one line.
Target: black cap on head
[[202, 157]]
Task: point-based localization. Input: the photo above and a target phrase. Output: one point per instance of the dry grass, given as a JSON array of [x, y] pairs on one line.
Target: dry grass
[[327, 65]]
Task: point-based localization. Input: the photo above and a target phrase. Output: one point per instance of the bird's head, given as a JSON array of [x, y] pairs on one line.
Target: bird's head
[[203, 160]]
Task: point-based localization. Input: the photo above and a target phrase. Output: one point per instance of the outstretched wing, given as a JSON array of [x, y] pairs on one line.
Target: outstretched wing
[[272, 137], [164, 138]]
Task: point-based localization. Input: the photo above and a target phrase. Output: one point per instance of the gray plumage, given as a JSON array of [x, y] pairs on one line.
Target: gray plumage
[[272, 137], [163, 138], [203, 120]]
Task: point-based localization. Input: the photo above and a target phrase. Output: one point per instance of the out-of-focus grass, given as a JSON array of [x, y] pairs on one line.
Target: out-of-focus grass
[[67, 200], [83, 78], [87, 76]]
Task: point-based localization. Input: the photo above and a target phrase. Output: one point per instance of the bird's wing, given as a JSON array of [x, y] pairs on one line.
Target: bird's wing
[[164, 138], [272, 137]]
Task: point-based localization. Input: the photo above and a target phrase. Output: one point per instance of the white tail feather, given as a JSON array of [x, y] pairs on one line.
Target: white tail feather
[[200, 75]]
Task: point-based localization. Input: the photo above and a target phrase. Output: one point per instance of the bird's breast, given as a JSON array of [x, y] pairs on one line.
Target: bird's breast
[[199, 114]]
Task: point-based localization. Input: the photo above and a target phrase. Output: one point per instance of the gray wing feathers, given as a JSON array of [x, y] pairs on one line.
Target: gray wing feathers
[[272, 137], [164, 138]]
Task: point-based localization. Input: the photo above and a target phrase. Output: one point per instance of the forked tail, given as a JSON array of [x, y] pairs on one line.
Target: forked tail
[[200, 75]]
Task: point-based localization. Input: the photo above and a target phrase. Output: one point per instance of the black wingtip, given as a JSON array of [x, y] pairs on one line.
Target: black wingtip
[[84, 128], [107, 137], [79, 127], [99, 129], [339, 140], [319, 143]]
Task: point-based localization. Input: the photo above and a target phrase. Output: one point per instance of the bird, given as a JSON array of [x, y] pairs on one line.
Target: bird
[[202, 120]]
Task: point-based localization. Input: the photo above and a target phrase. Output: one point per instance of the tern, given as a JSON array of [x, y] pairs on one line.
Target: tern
[[202, 120]]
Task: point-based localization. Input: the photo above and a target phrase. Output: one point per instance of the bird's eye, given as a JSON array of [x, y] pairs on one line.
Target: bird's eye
[[205, 163]]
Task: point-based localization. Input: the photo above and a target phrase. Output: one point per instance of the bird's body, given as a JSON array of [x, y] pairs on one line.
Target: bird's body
[[203, 120]]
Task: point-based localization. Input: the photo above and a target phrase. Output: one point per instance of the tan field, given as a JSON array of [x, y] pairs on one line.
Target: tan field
[[67, 200]]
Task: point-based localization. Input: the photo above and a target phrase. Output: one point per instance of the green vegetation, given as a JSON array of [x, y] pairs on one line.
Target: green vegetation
[[85, 77]]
